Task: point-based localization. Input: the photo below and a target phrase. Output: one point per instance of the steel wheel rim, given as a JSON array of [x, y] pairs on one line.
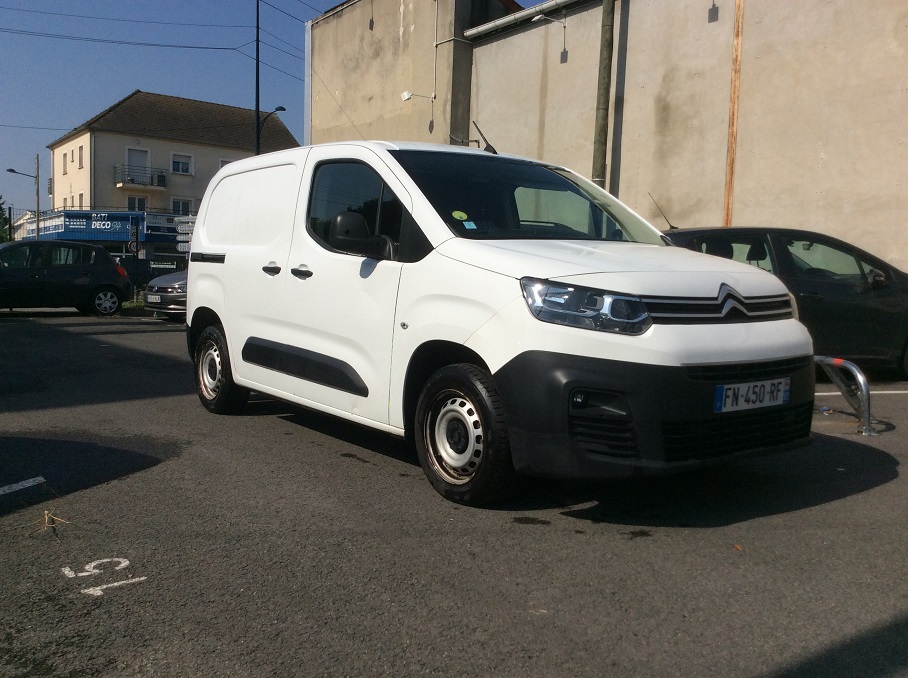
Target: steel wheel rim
[[106, 302], [455, 438], [210, 371]]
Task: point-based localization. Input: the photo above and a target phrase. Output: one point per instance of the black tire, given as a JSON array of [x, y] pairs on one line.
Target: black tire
[[104, 301], [461, 436], [213, 376]]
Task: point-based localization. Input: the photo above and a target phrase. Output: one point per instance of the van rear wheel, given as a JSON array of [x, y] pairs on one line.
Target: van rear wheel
[[461, 436], [214, 379]]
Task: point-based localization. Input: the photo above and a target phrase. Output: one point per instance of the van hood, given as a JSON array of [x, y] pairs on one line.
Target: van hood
[[632, 268]]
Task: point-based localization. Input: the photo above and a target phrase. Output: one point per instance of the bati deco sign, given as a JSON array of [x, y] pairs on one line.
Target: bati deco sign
[[103, 225]]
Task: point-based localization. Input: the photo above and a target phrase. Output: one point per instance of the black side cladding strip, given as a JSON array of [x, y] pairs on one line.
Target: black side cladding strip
[[207, 258], [303, 364]]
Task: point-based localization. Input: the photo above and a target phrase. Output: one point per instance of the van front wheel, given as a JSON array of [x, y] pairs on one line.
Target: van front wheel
[[214, 379], [461, 436]]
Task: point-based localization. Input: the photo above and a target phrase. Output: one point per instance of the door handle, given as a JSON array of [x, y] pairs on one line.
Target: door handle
[[811, 295], [271, 269], [301, 273]]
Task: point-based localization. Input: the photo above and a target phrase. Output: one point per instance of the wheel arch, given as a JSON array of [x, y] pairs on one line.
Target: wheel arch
[[202, 317], [425, 361]]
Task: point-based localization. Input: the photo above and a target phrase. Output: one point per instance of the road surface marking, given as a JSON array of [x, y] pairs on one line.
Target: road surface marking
[[21, 486]]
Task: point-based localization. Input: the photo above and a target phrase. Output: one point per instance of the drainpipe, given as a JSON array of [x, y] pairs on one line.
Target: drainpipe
[[732, 150], [603, 93]]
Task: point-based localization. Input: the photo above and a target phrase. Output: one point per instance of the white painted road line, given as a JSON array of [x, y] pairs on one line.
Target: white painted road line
[[834, 393], [21, 486]]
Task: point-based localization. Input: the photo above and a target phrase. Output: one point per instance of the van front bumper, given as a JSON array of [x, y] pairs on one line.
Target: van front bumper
[[577, 417]]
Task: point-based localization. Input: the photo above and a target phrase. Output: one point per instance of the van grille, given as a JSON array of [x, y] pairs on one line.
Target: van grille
[[740, 372], [601, 436], [736, 432], [728, 306]]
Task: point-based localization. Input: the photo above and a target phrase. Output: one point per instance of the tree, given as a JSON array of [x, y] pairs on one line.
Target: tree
[[4, 221]]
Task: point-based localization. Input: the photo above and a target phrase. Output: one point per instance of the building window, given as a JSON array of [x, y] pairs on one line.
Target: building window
[[136, 203], [65, 158], [181, 164], [81, 164], [81, 195], [181, 206], [64, 203]]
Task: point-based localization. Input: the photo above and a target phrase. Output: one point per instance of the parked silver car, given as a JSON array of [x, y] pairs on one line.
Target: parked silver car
[[166, 294]]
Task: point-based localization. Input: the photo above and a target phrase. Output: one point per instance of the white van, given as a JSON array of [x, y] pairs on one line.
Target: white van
[[508, 314]]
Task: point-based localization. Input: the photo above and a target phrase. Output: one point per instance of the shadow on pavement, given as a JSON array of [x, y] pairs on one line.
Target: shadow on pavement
[[880, 651], [68, 466], [830, 469], [84, 361]]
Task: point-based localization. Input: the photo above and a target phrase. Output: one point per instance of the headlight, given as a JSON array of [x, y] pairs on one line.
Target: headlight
[[585, 307]]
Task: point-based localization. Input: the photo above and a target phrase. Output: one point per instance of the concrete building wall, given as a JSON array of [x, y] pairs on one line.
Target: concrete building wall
[[366, 54], [531, 98], [822, 140]]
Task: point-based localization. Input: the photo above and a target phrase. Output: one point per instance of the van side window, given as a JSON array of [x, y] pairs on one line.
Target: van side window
[[353, 187]]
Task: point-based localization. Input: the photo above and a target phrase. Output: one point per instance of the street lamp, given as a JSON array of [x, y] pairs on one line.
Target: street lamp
[[258, 136], [37, 195]]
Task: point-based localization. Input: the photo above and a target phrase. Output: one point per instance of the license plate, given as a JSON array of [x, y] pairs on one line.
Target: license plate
[[734, 397], [153, 298]]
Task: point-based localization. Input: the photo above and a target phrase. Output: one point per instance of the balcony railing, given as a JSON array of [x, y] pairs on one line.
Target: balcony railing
[[126, 175]]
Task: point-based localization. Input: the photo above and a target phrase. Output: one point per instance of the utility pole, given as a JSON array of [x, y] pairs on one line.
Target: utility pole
[[37, 199], [258, 127], [604, 91]]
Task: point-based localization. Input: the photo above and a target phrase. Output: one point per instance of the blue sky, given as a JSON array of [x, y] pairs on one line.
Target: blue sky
[[51, 85]]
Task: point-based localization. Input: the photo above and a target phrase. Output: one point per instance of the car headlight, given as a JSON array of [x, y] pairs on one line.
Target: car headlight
[[585, 307]]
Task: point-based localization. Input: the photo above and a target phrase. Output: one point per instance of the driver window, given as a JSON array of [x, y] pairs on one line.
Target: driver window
[[555, 210], [353, 187], [819, 261], [747, 250], [17, 257]]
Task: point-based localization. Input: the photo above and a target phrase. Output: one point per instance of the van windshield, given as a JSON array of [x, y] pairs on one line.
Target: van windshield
[[489, 197]]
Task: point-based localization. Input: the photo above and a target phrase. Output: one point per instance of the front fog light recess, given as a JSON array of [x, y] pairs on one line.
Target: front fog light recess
[[585, 307]]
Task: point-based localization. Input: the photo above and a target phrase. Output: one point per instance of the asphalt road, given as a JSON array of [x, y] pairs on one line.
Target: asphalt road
[[160, 540]]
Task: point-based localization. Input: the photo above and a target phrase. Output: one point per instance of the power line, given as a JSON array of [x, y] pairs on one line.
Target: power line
[[116, 42], [283, 51], [265, 2], [320, 11], [274, 68], [131, 21], [289, 44], [52, 129]]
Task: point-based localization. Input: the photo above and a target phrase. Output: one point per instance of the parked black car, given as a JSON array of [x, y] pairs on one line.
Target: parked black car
[[56, 273], [854, 304], [167, 294]]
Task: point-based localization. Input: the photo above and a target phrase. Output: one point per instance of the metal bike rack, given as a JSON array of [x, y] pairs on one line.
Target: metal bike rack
[[856, 393]]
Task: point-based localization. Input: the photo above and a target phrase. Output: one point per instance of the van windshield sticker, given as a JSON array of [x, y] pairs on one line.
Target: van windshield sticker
[[460, 216], [469, 225]]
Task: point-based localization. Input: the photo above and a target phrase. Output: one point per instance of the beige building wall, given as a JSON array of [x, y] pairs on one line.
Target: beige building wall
[[528, 100], [366, 54], [822, 136], [110, 150], [823, 140], [668, 131], [76, 180]]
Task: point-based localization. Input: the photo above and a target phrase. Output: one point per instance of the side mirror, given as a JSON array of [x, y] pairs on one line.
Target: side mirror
[[349, 233], [877, 279]]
